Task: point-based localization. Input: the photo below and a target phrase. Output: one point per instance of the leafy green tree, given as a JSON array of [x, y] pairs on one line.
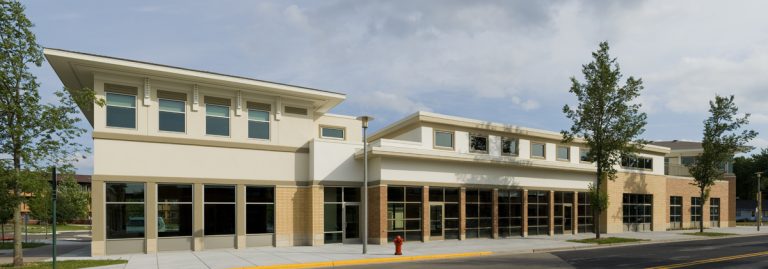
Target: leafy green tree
[[744, 167], [608, 118], [35, 135], [723, 138]]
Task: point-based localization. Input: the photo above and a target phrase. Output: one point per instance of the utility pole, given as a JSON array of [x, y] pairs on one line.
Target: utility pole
[[365, 120], [53, 206], [759, 218]]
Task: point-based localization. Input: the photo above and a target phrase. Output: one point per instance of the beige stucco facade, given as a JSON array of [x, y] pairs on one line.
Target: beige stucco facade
[[305, 170]]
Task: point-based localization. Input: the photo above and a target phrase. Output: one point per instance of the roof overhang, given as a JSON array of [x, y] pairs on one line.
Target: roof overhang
[[76, 71]]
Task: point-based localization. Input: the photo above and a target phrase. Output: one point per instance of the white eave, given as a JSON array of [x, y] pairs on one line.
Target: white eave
[[76, 69]]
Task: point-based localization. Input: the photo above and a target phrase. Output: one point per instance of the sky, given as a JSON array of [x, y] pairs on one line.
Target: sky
[[501, 61]]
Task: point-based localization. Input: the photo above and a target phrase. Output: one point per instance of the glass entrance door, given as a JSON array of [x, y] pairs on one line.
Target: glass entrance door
[[436, 222], [567, 218], [352, 223]]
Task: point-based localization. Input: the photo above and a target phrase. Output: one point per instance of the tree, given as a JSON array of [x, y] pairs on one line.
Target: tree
[[34, 134], [607, 118], [71, 202], [745, 167], [721, 141]]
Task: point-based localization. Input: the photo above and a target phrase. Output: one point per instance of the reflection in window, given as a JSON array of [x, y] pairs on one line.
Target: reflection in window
[[258, 124], [404, 212], [174, 210], [216, 120], [121, 110], [171, 115], [443, 139], [260, 210], [330, 132], [125, 210], [219, 209], [538, 150], [509, 146], [479, 212], [478, 143]]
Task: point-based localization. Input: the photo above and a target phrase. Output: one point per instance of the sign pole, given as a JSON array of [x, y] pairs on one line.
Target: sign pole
[[53, 217]]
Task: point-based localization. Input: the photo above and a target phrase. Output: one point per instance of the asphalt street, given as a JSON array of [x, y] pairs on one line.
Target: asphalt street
[[738, 252]]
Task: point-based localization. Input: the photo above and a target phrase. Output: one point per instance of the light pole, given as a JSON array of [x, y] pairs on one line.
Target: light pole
[[365, 120], [759, 201]]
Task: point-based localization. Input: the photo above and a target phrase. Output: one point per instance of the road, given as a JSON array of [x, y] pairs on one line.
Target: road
[[739, 252]]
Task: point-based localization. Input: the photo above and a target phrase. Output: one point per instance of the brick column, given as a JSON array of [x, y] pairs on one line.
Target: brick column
[[551, 213], [686, 206], [197, 216], [705, 212], [240, 216], [151, 218], [525, 214], [495, 214], [729, 203], [377, 215], [462, 213], [316, 215], [425, 214], [98, 219]]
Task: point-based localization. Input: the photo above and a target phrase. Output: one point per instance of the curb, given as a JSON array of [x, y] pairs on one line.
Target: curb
[[639, 243], [371, 261]]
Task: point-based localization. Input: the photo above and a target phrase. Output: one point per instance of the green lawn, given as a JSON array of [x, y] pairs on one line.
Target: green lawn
[[42, 228], [607, 240], [710, 234], [70, 264], [9, 245]]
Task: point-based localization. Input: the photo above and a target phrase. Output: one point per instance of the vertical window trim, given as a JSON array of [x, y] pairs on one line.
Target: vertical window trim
[[135, 111], [159, 109], [434, 139], [544, 151], [343, 132]]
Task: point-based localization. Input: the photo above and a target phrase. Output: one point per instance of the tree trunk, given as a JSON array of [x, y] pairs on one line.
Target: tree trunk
[[18, 259]]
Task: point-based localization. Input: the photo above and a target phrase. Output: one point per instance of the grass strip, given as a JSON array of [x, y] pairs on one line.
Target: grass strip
[[606, 240], [68, 264]]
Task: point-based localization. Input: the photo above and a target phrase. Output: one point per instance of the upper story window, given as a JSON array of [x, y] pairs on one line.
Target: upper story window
[[478, 143], [584, 155], [332, 132], [296, 110], [121, 106], [443, 139], [258, 120], [216, 116], [171, 111], [687, 160], [509, 146], [637, 162], [538, 150], [563, 153]]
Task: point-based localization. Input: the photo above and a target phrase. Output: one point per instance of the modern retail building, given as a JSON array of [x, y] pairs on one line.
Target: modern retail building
[[194, 160]]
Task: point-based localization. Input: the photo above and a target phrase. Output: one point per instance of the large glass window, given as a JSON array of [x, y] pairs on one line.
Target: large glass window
[[259, 210], [404, 212], [258, 123], [172, 115], [342, 213], [332, 132], [121, 110], [478, 143], [125, 210], [174, 210], [563, 212], [538, 150], [636, 162], [509, 146], [586, 225], [563, 153], [479, 212], [450, 221], [638, 212], [216, 120], [714, 212], [510, 209], [538, 212], [219, 210], [675, 212], [695, 211], [443, 139], [584, 155]]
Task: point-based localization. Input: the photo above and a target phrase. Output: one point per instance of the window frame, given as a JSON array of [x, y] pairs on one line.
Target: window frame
[[159, 110], [543, 152], [107, 203], [516, 143], [228, 117], [191, 203], [268, 121], [234, 203], [487, 143], [274, 209], [557, 153], [343, 132], [636, 161], [135, 110], [582, 150], [434, 139]]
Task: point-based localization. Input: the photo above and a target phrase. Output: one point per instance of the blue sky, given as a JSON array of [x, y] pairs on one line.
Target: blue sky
[[501, 61]]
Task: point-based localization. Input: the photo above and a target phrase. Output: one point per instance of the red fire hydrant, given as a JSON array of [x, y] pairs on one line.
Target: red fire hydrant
[[398, 245]]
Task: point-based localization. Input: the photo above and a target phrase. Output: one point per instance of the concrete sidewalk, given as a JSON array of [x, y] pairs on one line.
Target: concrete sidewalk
[[262, 256]]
